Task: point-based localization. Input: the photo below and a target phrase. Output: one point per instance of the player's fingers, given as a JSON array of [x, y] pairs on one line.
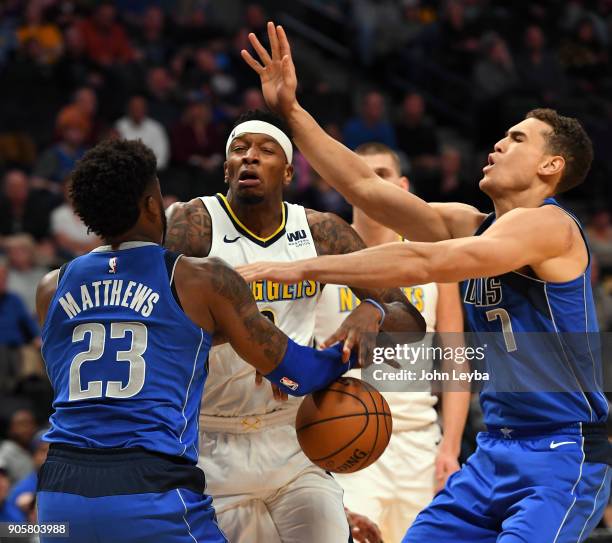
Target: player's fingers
[[274, 46], [337, 336], [366, 349], [349, 344], [285, 48], [258, 378], [287, 70], [251, 61], [261, 50]]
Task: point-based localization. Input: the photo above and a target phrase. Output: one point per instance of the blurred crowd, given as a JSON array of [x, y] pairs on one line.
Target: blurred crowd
[[439, 81]]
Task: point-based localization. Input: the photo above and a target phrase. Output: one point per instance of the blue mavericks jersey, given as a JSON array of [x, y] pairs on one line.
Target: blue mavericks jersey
[[126, 364], [545, 368]]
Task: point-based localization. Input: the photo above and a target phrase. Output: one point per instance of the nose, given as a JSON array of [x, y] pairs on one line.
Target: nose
[[498, 147], [251, 156]]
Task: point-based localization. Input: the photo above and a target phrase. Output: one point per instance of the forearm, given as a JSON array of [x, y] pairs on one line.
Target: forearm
[[354, 179], [383, 266], [455, 405], [402, 317], [407, 264], [303, 370]]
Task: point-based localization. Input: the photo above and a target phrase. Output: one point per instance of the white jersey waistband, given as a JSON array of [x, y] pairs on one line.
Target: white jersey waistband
[[247, 423]]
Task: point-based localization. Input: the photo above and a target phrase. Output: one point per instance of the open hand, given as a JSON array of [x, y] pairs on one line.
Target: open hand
[[359, 328], [277, 72]]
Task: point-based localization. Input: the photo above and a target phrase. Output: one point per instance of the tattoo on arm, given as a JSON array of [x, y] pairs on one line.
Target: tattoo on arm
[[334, 236], [258, 332], [189, 229]]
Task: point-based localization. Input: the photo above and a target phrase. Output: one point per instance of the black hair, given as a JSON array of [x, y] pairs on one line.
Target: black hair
[[266, 116], [108, 183], [567, 138]]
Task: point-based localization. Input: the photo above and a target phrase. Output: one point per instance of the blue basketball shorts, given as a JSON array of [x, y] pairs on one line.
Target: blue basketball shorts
[[522, 487], [122, 496]]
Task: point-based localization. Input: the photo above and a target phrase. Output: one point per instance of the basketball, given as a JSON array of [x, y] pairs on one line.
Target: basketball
[[344, 427]]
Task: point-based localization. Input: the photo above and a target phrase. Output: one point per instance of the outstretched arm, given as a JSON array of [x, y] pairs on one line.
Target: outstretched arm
[[522, 237], [344, 170], [334, 236], [216, 298]]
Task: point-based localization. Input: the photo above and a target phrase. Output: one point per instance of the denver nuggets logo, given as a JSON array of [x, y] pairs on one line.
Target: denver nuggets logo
[[112, 265]]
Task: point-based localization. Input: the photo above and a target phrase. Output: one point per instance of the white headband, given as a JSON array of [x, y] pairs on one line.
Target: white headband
[[262, 127]]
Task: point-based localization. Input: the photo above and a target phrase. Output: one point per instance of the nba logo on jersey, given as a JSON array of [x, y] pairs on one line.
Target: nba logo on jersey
[[289, 383], [112, 265]]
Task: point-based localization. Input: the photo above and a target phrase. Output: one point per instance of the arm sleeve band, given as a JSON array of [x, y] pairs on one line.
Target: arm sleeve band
[[304, 369]]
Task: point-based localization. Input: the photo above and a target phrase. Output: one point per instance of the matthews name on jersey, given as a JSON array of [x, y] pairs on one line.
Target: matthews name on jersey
[[126, 363]]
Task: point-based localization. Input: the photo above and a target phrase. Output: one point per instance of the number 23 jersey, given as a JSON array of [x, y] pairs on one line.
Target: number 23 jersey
[[126, 364]]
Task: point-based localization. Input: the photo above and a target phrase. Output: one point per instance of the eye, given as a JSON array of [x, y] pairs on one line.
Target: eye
[[268, 151], [238, 148]]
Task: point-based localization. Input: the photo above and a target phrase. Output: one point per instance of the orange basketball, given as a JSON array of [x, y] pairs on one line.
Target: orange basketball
[[344, 427]]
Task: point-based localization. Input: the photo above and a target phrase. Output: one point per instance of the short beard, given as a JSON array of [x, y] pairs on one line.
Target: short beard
[[249, 199]]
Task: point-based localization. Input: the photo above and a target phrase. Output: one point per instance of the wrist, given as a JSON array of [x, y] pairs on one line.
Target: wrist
[[293, 113], [451, 447], [378, 307]]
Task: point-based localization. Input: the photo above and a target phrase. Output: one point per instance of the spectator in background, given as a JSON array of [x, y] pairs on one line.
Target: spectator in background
[[24, 273], [322, 197], [370, 125], [599, 231], [9, 512], [494, 73], [21, 209], [416, 133], [455, 38], [105, 40], [603, 299], [15, 450], [163, 97], [74, 68], [584, 56], [541, 74], [151, 44], [449, 184], [252, 99], [24, 491], [69, 232], [195, 140], [8, 37], [137, 126], [46, 34], [56, 163], [494, 78], [84, 106]]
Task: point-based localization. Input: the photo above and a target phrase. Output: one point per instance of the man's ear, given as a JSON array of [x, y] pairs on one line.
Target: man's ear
[[225, 173], [404, 183], [288, 175], [150, 207], [552, 166]]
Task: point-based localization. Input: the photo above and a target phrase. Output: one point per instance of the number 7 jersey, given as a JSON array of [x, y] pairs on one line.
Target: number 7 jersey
[[126, 363], [541, 348]]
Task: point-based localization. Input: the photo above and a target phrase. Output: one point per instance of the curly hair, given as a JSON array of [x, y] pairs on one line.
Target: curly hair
[[266, 116], [108, 182], [569, 140]]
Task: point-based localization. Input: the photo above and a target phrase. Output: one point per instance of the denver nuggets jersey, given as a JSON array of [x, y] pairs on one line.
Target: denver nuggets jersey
[[548, 379], [411, 410], [126, 363], [230, 388]]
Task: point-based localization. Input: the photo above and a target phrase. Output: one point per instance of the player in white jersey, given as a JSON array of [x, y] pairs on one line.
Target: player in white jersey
[[416, 463], [264, 487]]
